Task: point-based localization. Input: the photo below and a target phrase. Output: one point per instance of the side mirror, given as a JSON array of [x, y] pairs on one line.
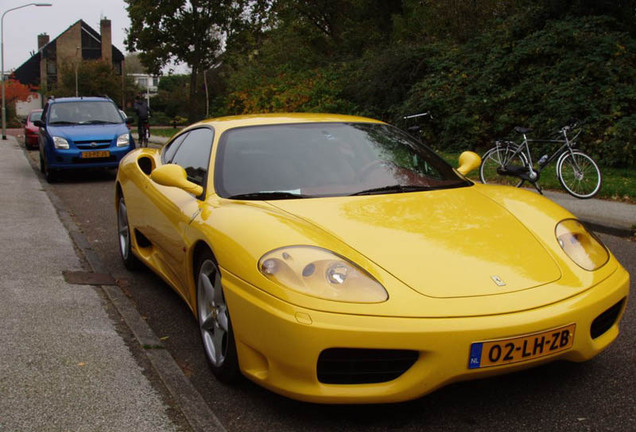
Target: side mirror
[[39, 123], [468, 161], [129, 120], [175, 176]]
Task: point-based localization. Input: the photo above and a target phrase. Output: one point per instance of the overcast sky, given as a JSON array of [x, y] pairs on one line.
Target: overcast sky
[[22, 26]]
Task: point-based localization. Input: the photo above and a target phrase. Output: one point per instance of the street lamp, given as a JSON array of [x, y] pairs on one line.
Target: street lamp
[[4, 108], [76, 66]]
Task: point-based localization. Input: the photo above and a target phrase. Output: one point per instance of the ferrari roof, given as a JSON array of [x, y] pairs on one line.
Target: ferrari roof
[[281, 118]]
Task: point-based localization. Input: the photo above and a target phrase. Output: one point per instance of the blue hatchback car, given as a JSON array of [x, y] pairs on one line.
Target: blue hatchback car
[[81, 132]]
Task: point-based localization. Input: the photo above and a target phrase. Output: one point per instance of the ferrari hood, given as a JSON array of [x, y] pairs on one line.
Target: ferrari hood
[[444, 244]]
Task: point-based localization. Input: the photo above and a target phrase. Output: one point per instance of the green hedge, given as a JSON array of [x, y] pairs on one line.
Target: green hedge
[[576, 68], [519, 72]]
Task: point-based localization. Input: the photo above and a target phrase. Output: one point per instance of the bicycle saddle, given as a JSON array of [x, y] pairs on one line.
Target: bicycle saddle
[[523, 130]]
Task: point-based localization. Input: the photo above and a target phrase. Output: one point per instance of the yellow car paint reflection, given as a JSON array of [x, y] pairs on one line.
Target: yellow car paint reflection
[[355, 265]]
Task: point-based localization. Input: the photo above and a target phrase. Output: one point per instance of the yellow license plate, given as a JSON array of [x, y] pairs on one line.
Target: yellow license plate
[[521, 348], [95, 154]]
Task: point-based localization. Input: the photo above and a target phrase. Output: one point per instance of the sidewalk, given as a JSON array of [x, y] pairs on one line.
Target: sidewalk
[[154, 141], [63, 366], [610, 217]]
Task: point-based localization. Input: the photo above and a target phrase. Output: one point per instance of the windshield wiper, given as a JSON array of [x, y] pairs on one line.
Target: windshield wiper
[[62, 122], [392, 189], [270, 195], [98, 122]]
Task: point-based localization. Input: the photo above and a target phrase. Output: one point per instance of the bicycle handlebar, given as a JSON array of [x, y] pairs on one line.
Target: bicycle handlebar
[[412, 116]]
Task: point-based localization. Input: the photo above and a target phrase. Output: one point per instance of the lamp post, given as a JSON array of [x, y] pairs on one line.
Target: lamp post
[[76, 66], [4, 108]]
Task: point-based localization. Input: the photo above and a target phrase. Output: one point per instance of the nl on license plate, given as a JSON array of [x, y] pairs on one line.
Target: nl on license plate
[[521, 348], [95, 154]]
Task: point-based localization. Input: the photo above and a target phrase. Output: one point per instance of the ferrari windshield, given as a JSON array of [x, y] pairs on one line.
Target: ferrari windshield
[[290, 161]]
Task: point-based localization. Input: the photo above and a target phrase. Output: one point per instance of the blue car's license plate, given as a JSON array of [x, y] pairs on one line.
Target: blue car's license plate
[[95, 154]]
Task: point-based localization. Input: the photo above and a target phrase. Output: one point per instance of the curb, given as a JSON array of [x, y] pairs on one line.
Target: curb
[[189, 401]]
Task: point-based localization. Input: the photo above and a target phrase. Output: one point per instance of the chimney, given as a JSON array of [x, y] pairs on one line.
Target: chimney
[[107, 42], [43, 39]]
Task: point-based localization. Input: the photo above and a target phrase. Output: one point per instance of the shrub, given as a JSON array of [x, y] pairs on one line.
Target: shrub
[[575, 68]]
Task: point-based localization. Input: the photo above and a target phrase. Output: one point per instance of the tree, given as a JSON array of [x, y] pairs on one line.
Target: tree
[[16, 91], [172, 96], [94, 78], [133, 64], [185, 31], [337, 28]]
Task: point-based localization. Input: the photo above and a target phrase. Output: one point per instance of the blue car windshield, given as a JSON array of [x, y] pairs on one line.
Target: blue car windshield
[[83, 113], [290, 161]]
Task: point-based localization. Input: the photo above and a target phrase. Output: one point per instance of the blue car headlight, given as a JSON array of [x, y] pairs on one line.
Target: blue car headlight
[[123, 140], [321, 273], [60, 143]]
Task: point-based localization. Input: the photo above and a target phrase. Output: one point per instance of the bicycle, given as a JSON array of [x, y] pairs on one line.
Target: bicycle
[[143, 130], [415, 130], [510, 163]]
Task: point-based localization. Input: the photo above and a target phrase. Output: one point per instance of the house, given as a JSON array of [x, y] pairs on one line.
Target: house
[[77, 43], [147, 82]]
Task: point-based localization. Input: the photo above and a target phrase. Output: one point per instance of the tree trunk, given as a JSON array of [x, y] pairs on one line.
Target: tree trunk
[[192, 103]]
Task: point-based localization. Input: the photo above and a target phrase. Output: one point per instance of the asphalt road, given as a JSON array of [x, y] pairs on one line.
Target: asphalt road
[[595, 396]]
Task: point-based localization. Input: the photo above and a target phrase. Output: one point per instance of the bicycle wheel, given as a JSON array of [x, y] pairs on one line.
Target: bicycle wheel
[[498, 157], [579, 175], [140, 134]]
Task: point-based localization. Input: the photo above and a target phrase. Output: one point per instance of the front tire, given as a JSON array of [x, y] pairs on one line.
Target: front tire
[[214, 321], [51, 176], [498, 157], [131, 262], [579, 175]]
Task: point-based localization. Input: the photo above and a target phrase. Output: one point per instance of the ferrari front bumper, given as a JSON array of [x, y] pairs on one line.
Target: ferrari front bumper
[[279, 344]]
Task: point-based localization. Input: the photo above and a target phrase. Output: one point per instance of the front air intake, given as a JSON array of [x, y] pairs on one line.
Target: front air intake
[[606, 320], [363, 366]]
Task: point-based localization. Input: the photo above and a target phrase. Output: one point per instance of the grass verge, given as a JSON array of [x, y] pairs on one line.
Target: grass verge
[[164, 131], [619, 184]]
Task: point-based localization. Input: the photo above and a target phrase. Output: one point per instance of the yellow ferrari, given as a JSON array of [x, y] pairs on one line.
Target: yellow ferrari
[[335, 259]]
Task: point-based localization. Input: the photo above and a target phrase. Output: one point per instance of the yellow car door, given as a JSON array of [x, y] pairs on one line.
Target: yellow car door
[[172, 209]]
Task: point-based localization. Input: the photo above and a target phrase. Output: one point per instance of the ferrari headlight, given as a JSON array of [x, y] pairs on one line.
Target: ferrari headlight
[[320, 273], [60, 143], [580, 245], [123, 140]]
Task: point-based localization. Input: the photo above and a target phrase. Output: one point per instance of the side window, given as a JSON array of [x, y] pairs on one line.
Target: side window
[[194, 154], [45, 111], [170, 149]]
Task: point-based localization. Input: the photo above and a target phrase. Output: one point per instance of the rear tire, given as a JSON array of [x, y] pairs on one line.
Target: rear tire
[[213, 314], [498, 157], [579, 175]]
